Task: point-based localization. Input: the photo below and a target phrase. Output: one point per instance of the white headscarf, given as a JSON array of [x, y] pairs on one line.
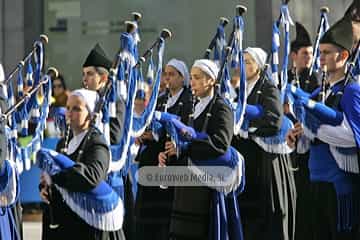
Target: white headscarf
[[258, 54], [88, 96], [182, 68], [207, 66]]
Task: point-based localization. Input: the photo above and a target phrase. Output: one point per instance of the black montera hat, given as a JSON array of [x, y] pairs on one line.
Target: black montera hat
[[340, 34], [97, 58], [354, 11], [302, 38]]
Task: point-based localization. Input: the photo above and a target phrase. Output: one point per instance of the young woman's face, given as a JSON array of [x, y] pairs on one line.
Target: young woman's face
[[173, 78], [201, 84], [58, 88], [77, 114], [251, 67]]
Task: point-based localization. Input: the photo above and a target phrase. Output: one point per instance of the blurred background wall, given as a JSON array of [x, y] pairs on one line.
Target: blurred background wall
[[74, 26]]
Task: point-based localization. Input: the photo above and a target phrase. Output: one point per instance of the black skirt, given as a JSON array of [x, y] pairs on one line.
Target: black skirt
[[268, 202], [303, 201]]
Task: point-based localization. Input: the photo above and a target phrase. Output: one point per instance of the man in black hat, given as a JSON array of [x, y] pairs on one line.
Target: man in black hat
[[302, 56], [333, 161], [95, 76], [354, 12]]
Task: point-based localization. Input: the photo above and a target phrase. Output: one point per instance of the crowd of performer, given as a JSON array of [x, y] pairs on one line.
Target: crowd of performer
[[291, 148]]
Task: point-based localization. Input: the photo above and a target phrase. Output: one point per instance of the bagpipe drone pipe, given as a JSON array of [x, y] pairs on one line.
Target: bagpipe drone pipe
[[231, 50], [32, 104], [277, 143], [102, 207]]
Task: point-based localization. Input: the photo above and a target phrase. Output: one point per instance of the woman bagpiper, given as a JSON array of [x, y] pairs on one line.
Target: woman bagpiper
[[193, 206], [268, 202], [72, 187]]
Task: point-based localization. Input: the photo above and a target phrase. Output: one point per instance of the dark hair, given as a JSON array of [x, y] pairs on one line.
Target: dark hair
[[62, 80]]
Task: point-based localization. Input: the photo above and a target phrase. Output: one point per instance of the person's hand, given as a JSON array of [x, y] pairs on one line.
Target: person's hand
[[293, 134], [44, 187], [162, 159], [170, 148], [44, 194]]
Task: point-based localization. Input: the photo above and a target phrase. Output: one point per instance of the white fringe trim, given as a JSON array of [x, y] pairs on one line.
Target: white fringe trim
[[348, 163], [233, 180], [281, 148], [110, 221]]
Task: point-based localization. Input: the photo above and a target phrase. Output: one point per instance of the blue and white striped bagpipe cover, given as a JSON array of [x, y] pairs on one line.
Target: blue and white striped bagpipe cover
[[277, 144], [345, 157], [128, 79], [124, 87], [226, 223], [102, 208], [303, 144], [135, 126], [324, 26], [140, 123], [34, 108], [237, 60]]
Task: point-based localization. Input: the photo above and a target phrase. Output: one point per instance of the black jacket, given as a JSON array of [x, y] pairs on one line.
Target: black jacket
[[307, 83], [90, 169], [192, 206], [267, 95]]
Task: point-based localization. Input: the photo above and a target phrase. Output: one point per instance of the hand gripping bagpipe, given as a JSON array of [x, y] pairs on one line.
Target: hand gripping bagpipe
[[101, 207]]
